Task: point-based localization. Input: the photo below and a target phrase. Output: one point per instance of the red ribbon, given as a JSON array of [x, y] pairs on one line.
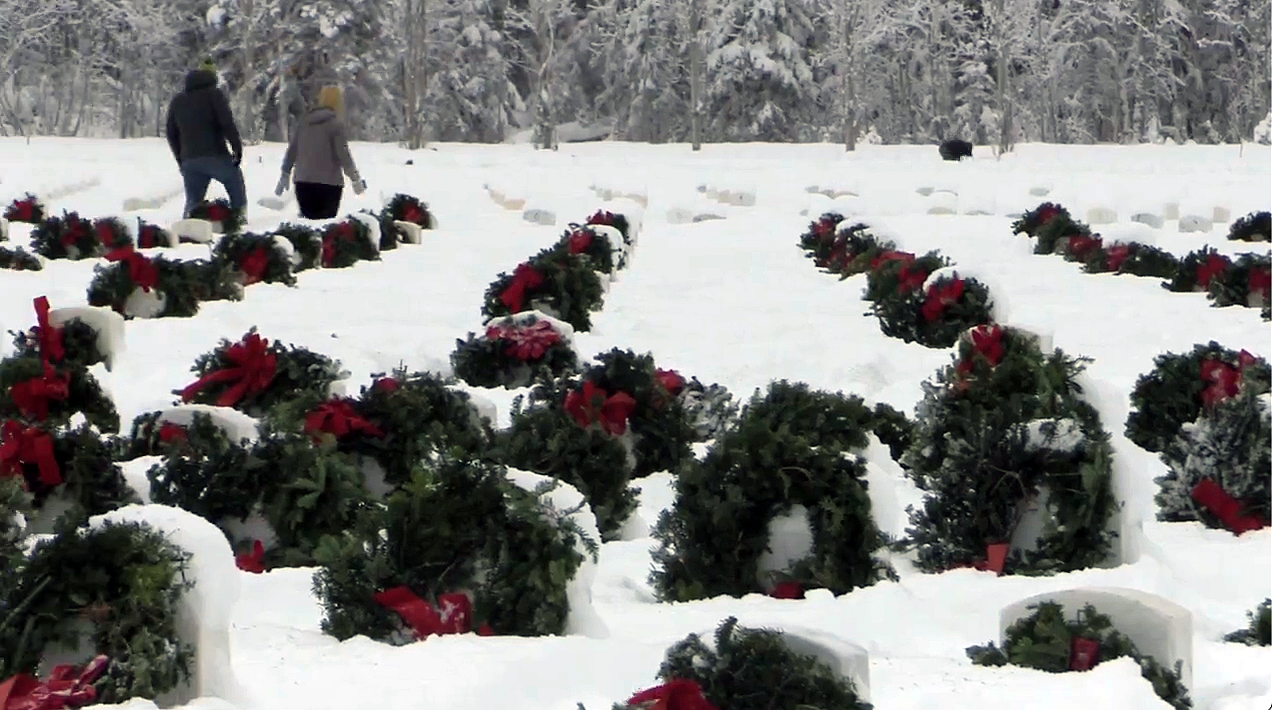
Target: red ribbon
[[337, 232], [904, 257], [338, 418], [169, 433], [1081, 246], [253, 561], [1084, 653], [602, 217], [32, 396], [995, 559], [1045, 214], [823, 228], [65, 688], [987, 340], [147, 236], [252, 370], [670, 380], [524, 277], [526, 343], [413, 214], [910, 277], [592, 404], [142, 272], [1214, 498], [453, 614], [48, 337], [1214, 265], [20, 211], [1259, 281], [386, 384], [21, 445], [75, 230], [675, 694], [578, 241], [253, 265], [1223, 381], [787, 590], [217, 213], [1115, 256], [940, 296]]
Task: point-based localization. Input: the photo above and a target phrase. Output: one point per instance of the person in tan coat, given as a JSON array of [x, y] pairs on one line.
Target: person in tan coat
[[318, 153]]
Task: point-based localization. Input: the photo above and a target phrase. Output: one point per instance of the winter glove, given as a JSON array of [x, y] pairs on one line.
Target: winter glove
[[360, 186], [284, 181]]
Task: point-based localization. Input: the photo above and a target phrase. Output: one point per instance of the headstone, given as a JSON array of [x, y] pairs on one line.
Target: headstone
[[1170, 210], [847, 659], [413, 232], [1194, 223], [236, 425], [1039, 191], [536, 215], [1222, 215], [1151, 219], [193, 230], [1101, 215], [706, 217], [108, 324], [4, 229]]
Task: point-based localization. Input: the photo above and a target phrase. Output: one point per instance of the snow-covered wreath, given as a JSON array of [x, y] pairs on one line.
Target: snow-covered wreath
[[516, 351], [554, 282], [138, 286], [27, 208], [256, 258], [924, 300], [66, 237]]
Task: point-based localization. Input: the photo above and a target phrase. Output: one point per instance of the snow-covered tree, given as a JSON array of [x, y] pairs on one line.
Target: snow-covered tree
[[470, 96]]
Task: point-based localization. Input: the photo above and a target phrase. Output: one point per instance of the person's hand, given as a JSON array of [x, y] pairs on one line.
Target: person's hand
[[283, 181], [360, 186]]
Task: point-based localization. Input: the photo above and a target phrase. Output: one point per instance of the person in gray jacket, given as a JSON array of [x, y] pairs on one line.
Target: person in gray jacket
[[319, 152]]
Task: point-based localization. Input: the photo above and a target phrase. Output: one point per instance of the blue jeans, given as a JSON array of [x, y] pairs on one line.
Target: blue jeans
[[198, 172]]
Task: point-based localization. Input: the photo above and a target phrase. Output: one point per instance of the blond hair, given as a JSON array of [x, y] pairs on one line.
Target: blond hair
[[331, 97]]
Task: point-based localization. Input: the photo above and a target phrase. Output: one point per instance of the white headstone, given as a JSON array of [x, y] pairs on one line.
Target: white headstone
[[1170, 210], [538, 215], [1222, 215], [236, 425], [413, 232], [194, 230], [1101, 215], [1195, 223], [845, 658], [108, 324], [4, 229], [1152, 219]]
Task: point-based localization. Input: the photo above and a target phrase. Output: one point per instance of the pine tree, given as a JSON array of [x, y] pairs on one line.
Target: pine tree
[[470, 98]]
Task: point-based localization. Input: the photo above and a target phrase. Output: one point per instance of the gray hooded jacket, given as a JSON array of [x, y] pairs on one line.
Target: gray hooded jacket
[[319, 150]]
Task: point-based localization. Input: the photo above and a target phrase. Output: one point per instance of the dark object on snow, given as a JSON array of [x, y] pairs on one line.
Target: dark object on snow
[[956, 150], [410, 162]]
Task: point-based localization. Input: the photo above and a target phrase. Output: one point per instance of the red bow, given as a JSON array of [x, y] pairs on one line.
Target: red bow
[[338, 418], [216, 212], [169, 433], [1223, 381], [823, 228], [987, 340], [524, 277], [939, 296], [578, 241], [787, 590], [675, 694], [670, 380], [1045, 214], [413, 214], [592, 404], [48, 337], [143, 273], [386, 384], [910, 277], [1259, 281], [253, 561], [995, 559], [253, 265], [453, 614], [1084, 653], [20, 211], [75, 229], [337, 232], [526, 343], [602, 217], [1115, 255], [252, 371], [1213, 266], [904, 257], [147, 236], [32, 396], [1080, 246], [1215, 499], [21, 445], [64, 689]]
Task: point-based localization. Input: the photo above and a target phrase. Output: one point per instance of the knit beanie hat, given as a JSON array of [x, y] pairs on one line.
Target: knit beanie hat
[[208, 65]]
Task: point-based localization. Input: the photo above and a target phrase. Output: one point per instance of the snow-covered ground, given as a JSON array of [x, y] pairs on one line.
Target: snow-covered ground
[[731, 301]]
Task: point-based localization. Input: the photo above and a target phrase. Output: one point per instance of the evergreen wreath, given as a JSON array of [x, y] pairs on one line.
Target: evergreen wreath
[[515, 351], [1181, 386], [1080, 247], [792, 446], [1132, 258], [253, 375], [1197, 269], [1246, 282], [254, 258], [892, 428], [617, 221], [71, 344], [752, 669], [27, 208], [1259, 632], [1047, 641], [150, 236], [66, 237], [855, 249], [122, 580], [399, 421], [1254, 227], [218, 211], [390, 234], [935, 317], [816, 241], [710, 409], [112, 233], [75, 466], [202, 471], [19, 260], [589, 244], [552, 282], [898, 273], [456, 528], [306, 242], [1002, 428], [37, 392], [405, 208], [1220, 467], [546, 440], [1049, 223], [172, 289], [345, 243]]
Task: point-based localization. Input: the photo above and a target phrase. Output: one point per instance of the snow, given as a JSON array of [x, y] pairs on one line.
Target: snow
[[108, 324], [730, 301]]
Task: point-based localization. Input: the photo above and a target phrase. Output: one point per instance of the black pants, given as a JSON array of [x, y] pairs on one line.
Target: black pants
[[318, 201]]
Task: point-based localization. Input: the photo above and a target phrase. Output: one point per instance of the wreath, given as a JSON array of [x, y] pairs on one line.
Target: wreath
[[545, 439], [66, 237], [458, 548], [112, 233], [552, 282], [138, 286], [516, 351], [27, 208], [1254, 227], [1049, 223], [937, 315], [791, 447], [817, 240], [74, 467], [1246, 282], [219, 212], [1003, 428], [19, 260], [305, 242], [746, 669], [253, 376], [854, 250], [255, 258], [33, 390], [116, 587], [74, 343], [1047, 641], [899, 273], [405, 208], [345, 243], [591, 244], [1132, 258], [617, 221], [1181, 386], [150, 236], [710, 409], [1259, 632], [1197, 269], [1220, 467]]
